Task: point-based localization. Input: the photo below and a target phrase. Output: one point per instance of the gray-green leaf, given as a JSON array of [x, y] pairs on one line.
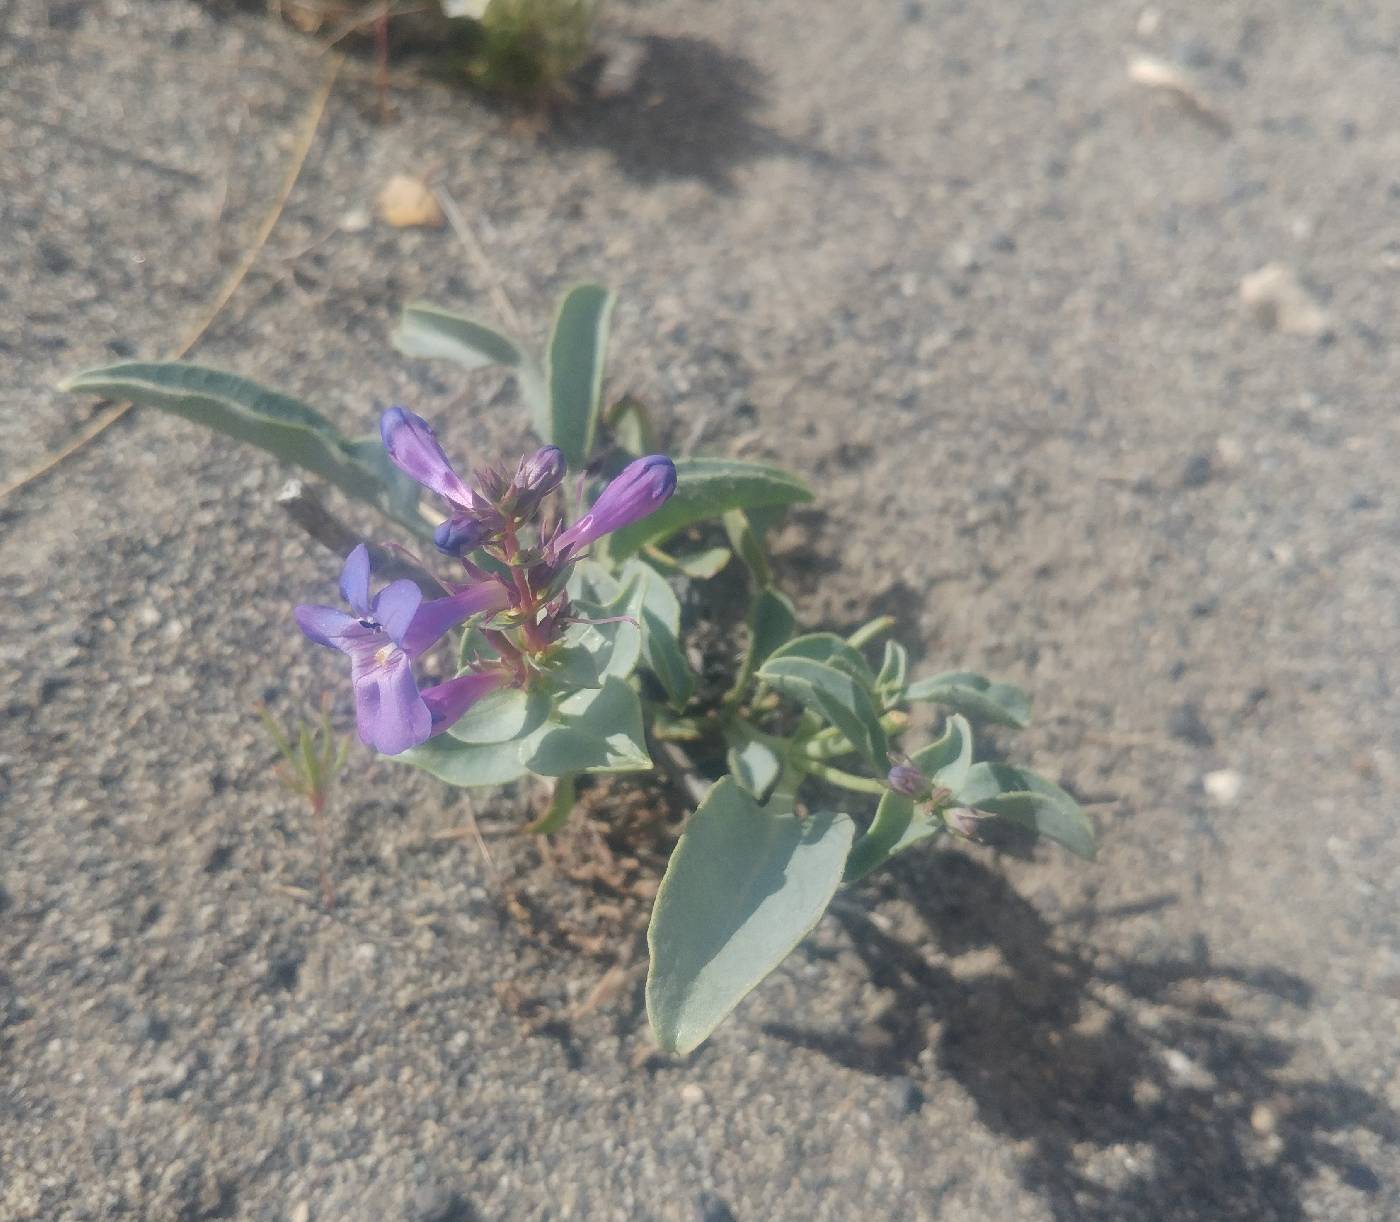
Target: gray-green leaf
[[771, 621], [976, 697], [574, 364], [742, 889], [1030, 800], [896, 826], [946, 761], [279, 424], [754, 764], [836, 697], [467, 764], [709, 488], [595, 731], [829, 648], [428, 331], [502, 716]]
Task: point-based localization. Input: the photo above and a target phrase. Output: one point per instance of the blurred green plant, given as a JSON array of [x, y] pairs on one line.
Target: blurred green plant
[[526, 49], [586, 661], [312, 756]]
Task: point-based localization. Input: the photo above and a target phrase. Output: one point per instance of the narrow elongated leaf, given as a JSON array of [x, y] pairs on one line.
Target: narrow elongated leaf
[[594, 731], [556, 814], [894, 672], [428, 331], [742, 889], [662, 654], [1031, 800], [284, 427], [709, 488], [771, 621], [574, 365], [829, 648], [652, 593], [897, 825], [699, 566], [632, 426], [975, 696], [748, 546], [836, 697]]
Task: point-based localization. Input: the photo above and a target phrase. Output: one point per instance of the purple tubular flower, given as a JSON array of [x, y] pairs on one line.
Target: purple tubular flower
[[413, 447], [448, 701], [641, 488], [443, 614], [382, 638]]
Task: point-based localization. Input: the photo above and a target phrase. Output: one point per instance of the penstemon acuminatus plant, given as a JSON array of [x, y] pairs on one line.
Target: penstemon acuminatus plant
[[571, 661]]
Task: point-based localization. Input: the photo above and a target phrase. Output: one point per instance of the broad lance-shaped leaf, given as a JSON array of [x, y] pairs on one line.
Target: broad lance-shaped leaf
[[898, 823], [947, 760], [1031, 800], [836, 697], [595, 731], [284, 427], [742, 889], [467, 764], [829, 648], [709, 488], [433, 333], [574, 366], [771, 621], [663, 656], [753, 761], [975, 696], [502, 716]]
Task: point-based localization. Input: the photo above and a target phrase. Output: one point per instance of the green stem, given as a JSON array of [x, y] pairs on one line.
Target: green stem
[[875, 628], [836, 776]]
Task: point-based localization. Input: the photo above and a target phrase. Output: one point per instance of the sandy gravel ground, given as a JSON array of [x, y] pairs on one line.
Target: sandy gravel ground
[[947, 258]]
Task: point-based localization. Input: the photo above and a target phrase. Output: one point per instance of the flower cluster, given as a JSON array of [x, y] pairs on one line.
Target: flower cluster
[[521, 597], [906, 778]]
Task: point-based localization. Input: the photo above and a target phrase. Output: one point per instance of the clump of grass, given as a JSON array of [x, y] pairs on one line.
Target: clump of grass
[[527, 49], [312, 756]]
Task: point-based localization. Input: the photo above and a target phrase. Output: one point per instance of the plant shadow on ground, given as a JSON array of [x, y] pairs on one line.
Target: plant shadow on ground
[[688, 113], [1133, 1086]]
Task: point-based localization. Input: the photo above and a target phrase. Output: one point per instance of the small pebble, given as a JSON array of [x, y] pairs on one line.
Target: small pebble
[[1223, 786]]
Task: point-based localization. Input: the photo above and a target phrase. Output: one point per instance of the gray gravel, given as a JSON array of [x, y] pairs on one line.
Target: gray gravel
[[950, 261]]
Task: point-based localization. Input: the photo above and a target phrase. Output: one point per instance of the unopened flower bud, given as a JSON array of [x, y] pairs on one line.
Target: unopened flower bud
[[908, 780], [536, 477], [963, 821], [460, 534], [642, 487], [542, 472]]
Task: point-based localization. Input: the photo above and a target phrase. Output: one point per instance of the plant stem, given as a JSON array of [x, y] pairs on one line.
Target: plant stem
[[836, 776]]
